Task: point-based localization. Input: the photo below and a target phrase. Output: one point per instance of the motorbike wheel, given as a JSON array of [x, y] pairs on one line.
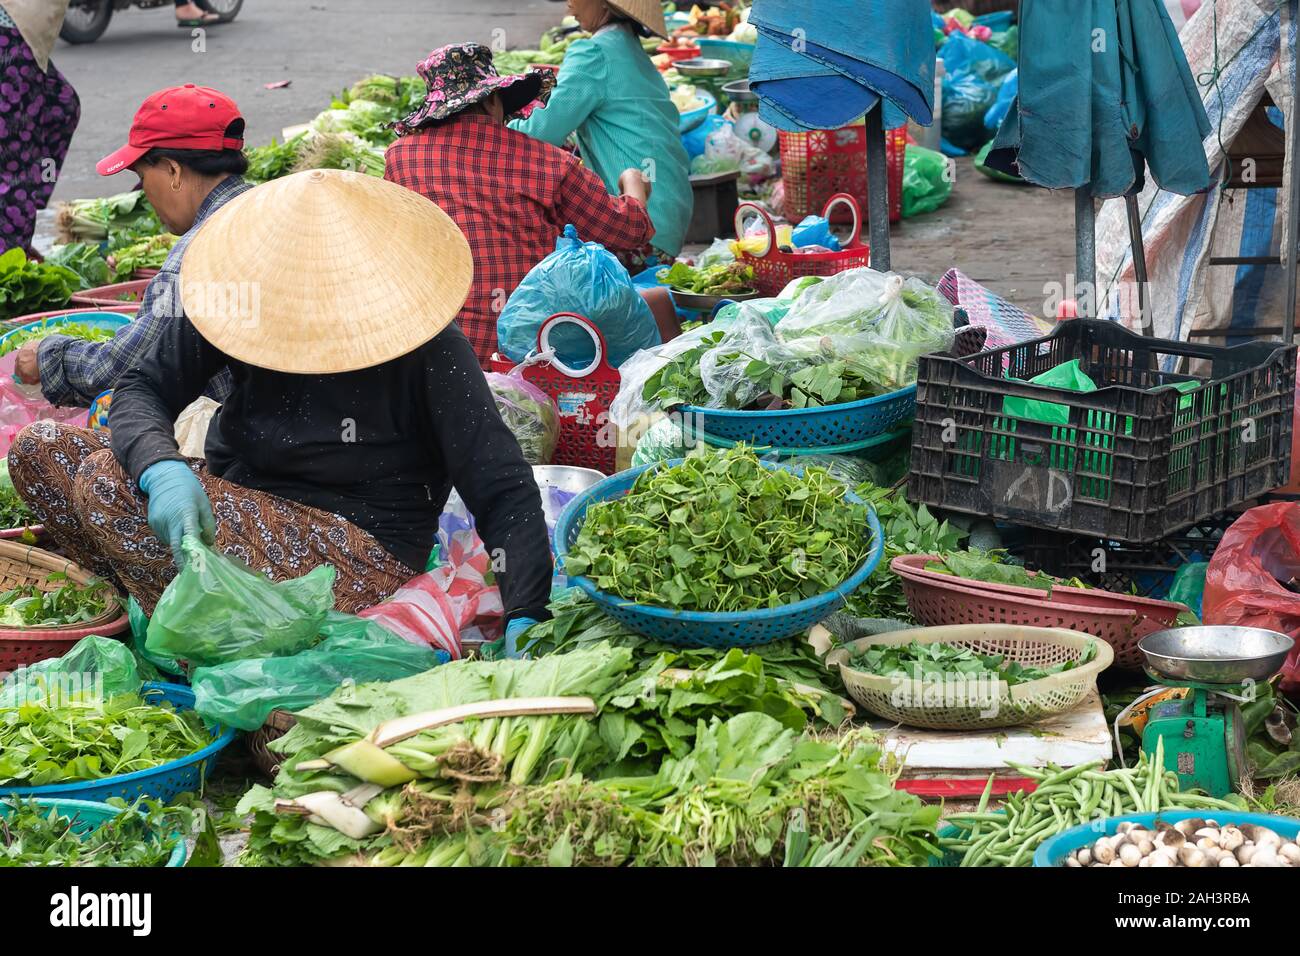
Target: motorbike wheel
[[86, 20], [226, 9]]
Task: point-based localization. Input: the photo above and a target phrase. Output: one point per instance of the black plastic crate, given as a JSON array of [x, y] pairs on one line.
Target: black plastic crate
[[1175, 432], [1146, 570]]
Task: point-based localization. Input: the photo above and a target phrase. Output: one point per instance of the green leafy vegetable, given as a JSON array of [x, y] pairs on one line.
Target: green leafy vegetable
[[722, 533], [917, 661], [274, 160], [64, 740], [723, 279], [99, 219], [149, 252], [77, 330], [14, 512], [27, 286], [143, 834], [84, 259]]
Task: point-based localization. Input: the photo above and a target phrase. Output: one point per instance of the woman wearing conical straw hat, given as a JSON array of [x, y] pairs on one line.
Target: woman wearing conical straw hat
[[613, 100], [356, 404]]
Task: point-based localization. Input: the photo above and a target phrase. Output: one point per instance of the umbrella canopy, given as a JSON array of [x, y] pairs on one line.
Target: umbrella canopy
[[1104, 87], [814, 68]]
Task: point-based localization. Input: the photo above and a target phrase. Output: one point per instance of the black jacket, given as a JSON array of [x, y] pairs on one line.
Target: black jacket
[[381, 446]]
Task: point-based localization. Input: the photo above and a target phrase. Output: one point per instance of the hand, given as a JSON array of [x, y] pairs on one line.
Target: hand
[[515, 630], [27, 367], [632, 183], [178, 505]]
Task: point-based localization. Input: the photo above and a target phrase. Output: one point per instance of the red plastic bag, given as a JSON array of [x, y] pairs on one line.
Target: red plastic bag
[[1245, 583]]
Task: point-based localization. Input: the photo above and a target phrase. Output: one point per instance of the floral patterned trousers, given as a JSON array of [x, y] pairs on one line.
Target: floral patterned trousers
[[71, 480]]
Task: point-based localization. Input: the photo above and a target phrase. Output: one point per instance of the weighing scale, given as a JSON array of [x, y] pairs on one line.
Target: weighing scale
[[1204, 738]]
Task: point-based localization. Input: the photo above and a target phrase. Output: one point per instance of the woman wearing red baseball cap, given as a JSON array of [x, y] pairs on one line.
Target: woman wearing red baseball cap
[[185, 145]]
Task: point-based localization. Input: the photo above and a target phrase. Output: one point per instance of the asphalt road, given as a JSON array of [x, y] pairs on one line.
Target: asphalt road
[[320, 45]]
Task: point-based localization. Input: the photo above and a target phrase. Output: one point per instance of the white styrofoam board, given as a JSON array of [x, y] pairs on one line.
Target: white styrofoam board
[[1078, 736]]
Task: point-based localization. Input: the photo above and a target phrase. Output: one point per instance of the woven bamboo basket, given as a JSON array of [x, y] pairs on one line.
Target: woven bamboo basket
[[278, 723], [22, 564], [960, 706]]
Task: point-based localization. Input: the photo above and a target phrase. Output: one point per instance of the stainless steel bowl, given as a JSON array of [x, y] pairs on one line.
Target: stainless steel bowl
[[569, 479], [1216, 654], [738, 91], [702, 66]]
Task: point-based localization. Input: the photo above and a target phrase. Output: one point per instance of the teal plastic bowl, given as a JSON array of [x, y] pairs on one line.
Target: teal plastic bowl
[[102, 320], [87, 816], [1053, 852]]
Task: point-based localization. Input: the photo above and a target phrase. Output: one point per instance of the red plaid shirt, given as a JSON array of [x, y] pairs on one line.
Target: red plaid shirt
[[512, 196]]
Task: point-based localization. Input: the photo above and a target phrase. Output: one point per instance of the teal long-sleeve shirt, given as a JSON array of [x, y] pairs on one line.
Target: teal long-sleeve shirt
[[616, 103]]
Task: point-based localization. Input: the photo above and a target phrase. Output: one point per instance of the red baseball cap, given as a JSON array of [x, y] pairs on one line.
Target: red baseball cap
[[181, 117]]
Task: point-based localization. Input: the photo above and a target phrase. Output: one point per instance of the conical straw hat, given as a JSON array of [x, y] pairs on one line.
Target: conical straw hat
[[325, 271], [648, 13]]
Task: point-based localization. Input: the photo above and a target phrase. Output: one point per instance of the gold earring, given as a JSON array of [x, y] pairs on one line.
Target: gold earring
[[176, 187]]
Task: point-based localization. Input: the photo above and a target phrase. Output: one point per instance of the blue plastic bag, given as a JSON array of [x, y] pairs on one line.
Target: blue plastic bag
[[585, 278], [973, 74], [1002, 105], [814, 231]]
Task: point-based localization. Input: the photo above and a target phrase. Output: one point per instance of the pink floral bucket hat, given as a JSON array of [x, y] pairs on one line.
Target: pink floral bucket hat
[[462, 74]]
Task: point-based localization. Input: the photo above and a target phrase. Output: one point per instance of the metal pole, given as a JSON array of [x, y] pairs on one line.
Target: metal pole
[[1139, 263], [1085, 245], [878, 189], [1293, 182]]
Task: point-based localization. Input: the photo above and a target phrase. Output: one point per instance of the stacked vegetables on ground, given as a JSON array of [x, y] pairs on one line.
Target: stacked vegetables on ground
[[142, 835], [627, 776], [723, 533]]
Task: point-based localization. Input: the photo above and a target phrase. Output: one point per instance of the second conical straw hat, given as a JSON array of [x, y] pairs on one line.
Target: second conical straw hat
[[325, 271]]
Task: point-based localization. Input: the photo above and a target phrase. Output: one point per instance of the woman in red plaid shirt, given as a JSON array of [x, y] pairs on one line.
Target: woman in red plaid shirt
[[511, 195]]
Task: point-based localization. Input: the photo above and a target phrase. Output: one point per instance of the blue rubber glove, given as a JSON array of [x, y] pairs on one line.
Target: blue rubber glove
[[515, 630], [178, 505]]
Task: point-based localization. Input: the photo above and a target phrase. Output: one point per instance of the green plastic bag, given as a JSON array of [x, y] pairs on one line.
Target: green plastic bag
[[243, 693], [165, 666], [926, 184], [1189, 585], [95, 666], [216, 610]]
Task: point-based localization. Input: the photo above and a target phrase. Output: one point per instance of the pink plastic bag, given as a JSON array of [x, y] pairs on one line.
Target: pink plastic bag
[[20, 405], [443, 606], [1245, 583]]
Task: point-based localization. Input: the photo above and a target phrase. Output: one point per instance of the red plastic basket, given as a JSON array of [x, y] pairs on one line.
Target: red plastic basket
[[816, 166], [583, 396], [774, 268], [106, 295], [938, 599]]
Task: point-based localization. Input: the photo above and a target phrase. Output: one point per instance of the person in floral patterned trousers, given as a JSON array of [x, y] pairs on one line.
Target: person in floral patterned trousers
[[78, 490]]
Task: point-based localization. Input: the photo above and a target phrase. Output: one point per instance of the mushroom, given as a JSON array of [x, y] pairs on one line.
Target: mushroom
[[1147, 847], [1230, 838], [1072, 861], [1085, 856], [1290, 852], [1207, 833], [1207, 843], [1160, 859], [1103, 852], [1171, 837], [1129, 854], [1228, 859], [1189, 827], [1265, 855], [1245, 853], [1126, 826], [1191, 856]]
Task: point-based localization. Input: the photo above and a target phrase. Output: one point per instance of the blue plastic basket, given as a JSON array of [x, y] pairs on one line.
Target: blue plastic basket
[[164, 783], [88, 815], [692, 118], [706, 628], [102, 320], [872, 449], [810, 427], [1052, 852]]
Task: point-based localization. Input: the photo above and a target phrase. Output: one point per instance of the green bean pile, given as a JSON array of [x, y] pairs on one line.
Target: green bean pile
[[1065, 799]]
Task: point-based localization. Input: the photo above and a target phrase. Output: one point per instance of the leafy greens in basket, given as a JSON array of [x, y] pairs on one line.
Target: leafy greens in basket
[[723, 533], [920, 662]]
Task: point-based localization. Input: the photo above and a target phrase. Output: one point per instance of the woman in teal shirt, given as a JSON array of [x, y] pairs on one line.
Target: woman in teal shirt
[[610, 96]]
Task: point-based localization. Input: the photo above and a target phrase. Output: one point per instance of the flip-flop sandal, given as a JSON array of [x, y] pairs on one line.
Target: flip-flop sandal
[[198, 22]]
